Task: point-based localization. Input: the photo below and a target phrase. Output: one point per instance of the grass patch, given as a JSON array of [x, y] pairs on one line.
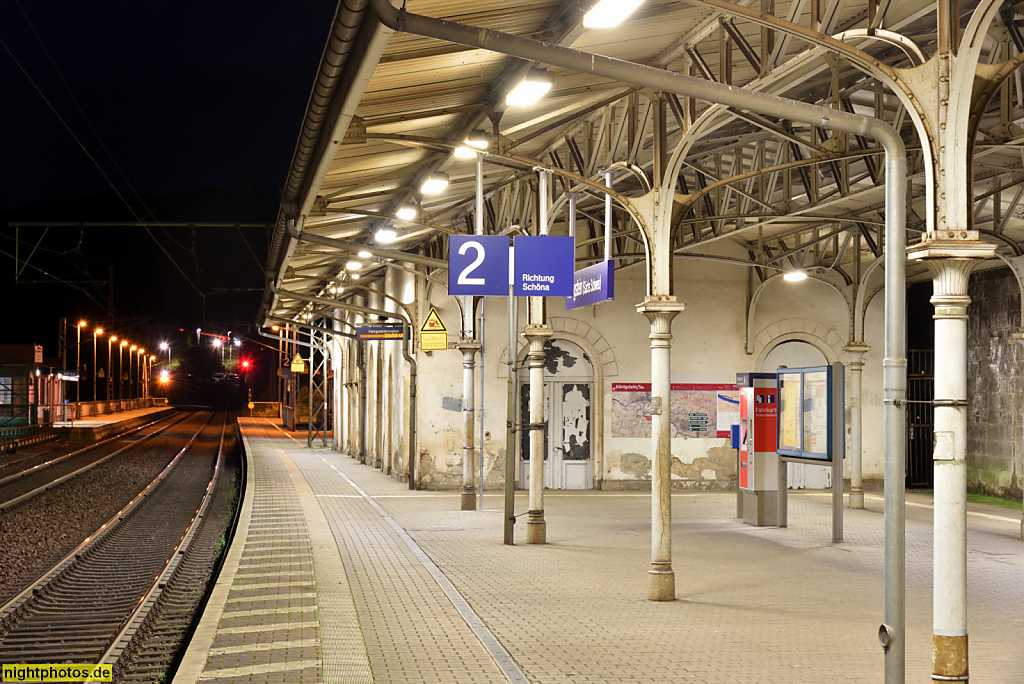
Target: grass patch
[[1015, 504]]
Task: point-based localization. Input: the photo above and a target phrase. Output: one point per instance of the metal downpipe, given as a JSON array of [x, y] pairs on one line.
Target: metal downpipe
[[894, 363]]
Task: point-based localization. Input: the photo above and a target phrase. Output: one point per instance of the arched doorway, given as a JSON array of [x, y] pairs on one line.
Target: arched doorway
[[797, 354], [568, 441]]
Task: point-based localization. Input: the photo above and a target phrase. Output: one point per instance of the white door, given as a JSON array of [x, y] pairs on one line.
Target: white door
[[797, 354], [568, 433]]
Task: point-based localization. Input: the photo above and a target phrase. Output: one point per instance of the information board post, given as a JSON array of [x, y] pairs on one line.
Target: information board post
[[838, 447], [812, 427]]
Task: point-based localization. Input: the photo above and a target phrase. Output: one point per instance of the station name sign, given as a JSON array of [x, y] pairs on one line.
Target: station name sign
[[592, 285]]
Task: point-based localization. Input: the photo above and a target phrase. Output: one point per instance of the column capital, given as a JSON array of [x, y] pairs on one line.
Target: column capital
[[660, 304], [856, 352], [468, 345], [1018, 336], [539, 331], [660, 310]]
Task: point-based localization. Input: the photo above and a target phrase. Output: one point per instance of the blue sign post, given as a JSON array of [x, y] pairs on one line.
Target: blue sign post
[[592, 285], [478, 265], [542, 266]]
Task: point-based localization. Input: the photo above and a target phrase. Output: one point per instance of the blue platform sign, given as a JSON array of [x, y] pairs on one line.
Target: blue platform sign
[[592, 284], [478, 265], [543, 266]]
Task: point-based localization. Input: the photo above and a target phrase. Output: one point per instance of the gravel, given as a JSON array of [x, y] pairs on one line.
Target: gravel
[[40, 532]]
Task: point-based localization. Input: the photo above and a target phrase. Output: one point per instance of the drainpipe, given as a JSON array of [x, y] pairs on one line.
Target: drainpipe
[[894, 364]]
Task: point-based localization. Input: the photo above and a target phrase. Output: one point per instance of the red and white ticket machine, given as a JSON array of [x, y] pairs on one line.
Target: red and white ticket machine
[[758, 460]]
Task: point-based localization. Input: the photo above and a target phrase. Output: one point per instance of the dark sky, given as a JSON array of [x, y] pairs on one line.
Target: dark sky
[[190, 110]]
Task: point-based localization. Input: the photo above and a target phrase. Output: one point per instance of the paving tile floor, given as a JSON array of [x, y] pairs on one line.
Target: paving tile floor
[[754, 604]]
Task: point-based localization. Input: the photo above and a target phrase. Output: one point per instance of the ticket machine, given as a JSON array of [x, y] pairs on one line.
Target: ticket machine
[[760, 472]]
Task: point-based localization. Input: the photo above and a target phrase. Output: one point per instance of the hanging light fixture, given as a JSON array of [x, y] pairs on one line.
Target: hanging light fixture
[[434, 184], [609, 13], [795, 276], [530, 89]]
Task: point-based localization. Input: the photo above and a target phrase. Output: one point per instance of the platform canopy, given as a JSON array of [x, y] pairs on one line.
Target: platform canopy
[[389, 109]]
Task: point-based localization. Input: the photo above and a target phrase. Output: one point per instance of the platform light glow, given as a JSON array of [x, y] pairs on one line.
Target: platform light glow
[[536, 84], [385, 235], [364, 255], [353, 266], [795, 276], [406, 213], [609, 13], [435, 184]]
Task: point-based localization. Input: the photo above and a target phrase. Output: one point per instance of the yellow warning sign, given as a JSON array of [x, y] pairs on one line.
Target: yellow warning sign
[[433, 323], [298, 365], [433, 334]]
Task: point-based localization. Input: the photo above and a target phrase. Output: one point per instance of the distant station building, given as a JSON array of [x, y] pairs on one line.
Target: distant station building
[[31, 388]]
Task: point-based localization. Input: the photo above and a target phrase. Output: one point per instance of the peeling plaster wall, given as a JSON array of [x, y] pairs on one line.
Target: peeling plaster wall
[[440, 402], [995, 385]]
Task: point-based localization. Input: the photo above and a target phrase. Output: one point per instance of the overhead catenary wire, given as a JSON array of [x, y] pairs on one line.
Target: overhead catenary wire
[[99, 168]]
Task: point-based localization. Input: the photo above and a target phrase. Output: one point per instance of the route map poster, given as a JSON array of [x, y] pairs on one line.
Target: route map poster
[[698, 410]]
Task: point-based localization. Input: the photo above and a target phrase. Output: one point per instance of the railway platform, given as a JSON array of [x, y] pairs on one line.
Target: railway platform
[[339, 573], [94, 428]]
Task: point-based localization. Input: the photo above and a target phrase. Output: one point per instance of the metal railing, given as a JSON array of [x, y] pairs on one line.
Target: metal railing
[[14, 438]]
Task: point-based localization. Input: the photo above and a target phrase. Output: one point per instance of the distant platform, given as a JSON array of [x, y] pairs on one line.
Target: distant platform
[[95, 428]]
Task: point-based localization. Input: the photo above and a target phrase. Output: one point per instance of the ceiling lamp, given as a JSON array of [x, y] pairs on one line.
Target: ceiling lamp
[[530, 89], [795, 276], [353, 266], [609, 13], [435, 184], [406, 213], [364, 255], [471, 145], [385, 235]]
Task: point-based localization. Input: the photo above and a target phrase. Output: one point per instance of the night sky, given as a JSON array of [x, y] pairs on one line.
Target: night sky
[[171, 111]]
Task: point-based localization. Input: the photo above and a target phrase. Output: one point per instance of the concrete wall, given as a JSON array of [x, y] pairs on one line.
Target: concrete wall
[[995, 385]]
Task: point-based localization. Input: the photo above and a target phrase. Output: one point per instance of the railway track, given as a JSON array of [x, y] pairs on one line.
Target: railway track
[[35, 479], [82, 606]]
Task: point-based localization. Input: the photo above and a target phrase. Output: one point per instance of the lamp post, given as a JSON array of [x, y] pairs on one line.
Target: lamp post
[[96, 332], [110, 377], [149, 375], [138, 370], [120, 370], [167, 348], [131, 353], [218, 344], [78, 360]]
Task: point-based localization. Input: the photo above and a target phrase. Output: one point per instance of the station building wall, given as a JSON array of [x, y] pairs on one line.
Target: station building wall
[[995, 385], [708, 346]]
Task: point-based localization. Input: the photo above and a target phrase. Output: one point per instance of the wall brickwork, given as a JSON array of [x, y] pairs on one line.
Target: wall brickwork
[[995, 385]]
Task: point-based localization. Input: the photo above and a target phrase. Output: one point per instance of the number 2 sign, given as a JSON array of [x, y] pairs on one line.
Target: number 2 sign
[[478, 265]]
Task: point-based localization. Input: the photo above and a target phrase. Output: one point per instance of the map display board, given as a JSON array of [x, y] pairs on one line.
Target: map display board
[[810, 398], [697, 410]]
